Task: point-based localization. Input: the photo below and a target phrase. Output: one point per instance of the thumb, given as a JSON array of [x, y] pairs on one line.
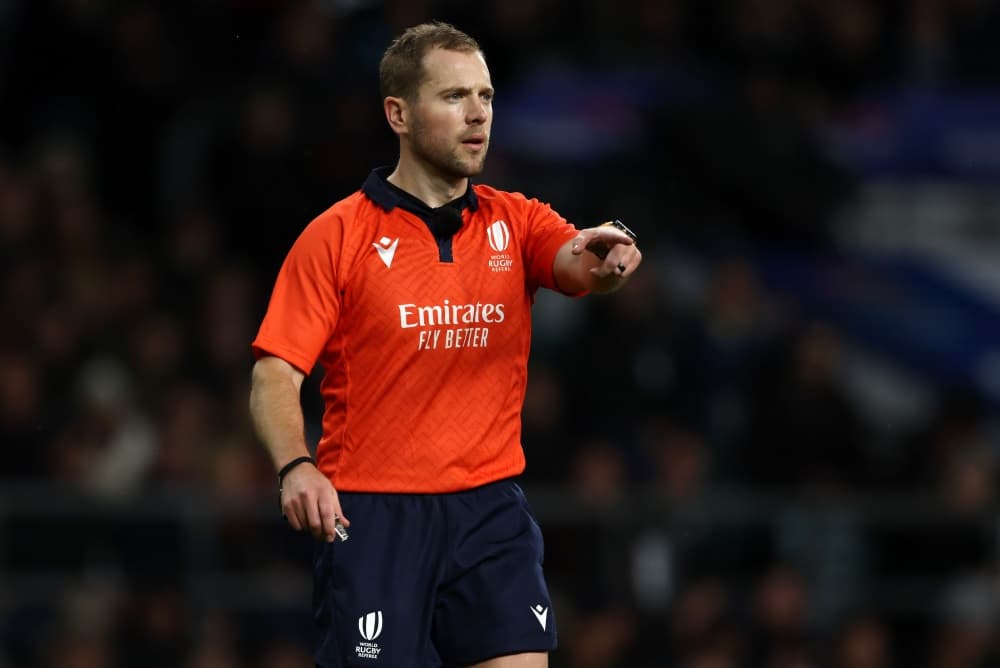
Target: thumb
[[580, 242]]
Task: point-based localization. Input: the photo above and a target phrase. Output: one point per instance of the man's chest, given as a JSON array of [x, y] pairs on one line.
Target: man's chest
[[408, 289]]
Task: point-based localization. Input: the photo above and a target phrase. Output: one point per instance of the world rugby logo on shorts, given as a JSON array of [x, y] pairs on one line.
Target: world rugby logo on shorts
[[498, 235], [370, 625]]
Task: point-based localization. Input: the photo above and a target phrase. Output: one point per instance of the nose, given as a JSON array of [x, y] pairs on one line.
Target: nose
[[477, 112]]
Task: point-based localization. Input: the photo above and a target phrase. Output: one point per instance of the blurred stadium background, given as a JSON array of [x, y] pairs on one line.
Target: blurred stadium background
[[778, 447]]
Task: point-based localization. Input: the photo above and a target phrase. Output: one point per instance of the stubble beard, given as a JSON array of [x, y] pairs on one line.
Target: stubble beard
[[447, 160]]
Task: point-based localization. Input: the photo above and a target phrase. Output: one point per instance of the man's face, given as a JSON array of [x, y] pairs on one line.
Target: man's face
[[452, 115]]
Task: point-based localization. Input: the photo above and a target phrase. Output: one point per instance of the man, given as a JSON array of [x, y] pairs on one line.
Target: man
[[414, 293]]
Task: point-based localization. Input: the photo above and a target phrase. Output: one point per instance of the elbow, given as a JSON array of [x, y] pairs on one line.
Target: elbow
[[270, 372]]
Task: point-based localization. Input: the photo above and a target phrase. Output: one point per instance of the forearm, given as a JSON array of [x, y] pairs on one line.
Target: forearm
[[276, 410], [308, 499]]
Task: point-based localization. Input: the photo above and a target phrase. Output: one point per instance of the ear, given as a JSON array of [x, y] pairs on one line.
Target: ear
[[397, 113]]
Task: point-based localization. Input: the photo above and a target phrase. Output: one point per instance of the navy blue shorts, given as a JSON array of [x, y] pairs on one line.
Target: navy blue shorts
[[432, 580]]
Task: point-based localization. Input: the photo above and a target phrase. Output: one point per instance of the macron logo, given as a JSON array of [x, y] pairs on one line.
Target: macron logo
[[540, 613], [386, 249]]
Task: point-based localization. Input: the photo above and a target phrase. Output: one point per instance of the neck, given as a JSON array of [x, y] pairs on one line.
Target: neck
[[433, 189]]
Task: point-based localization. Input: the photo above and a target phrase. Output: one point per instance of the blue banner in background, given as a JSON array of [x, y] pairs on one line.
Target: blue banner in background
[[564, 113], [899, 308], [943, 134]]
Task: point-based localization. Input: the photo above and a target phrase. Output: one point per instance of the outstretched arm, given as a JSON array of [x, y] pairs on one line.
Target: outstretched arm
[[308, 500], [578, 269]]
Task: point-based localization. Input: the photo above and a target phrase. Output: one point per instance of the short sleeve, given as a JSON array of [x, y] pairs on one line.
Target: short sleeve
[[305, 302], [547, 231]]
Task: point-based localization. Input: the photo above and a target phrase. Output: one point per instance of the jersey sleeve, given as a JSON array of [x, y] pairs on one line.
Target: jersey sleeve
[[305, 301], [547, 231]]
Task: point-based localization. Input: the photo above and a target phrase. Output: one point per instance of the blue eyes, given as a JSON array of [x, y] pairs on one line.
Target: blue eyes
[[455, 97]]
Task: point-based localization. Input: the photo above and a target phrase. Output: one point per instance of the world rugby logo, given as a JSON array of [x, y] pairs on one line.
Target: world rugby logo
[[370, 625], [499, 236]]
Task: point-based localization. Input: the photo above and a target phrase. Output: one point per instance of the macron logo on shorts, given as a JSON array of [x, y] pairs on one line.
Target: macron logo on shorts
[[541, 614]]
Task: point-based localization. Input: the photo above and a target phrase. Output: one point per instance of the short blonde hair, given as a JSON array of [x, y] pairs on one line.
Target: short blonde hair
[[401, 70]]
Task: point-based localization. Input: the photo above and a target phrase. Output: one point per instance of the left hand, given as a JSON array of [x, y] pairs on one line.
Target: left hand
[[623, 257]]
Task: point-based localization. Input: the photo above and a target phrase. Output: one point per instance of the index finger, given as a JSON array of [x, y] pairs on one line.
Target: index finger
[[605, 234]]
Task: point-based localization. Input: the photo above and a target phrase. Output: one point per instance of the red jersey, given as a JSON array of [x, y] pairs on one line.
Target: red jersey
[[423, 340]]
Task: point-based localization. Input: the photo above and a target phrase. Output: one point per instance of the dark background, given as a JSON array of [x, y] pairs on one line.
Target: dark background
[[778, 446]]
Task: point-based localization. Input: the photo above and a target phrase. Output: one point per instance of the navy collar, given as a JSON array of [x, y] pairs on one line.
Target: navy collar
[[388, 196]]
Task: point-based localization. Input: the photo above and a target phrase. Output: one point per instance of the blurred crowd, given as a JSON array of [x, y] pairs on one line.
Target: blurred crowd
[[725, 500]]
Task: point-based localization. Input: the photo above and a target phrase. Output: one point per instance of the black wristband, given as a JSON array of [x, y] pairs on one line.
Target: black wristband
[[289, 466]]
